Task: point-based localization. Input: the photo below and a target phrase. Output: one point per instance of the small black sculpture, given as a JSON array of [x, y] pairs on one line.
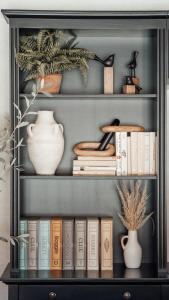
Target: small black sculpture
[[108, 62], [133, 64]]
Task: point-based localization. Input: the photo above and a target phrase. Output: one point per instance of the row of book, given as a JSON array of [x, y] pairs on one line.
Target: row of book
[[67, 244], [135, 155]]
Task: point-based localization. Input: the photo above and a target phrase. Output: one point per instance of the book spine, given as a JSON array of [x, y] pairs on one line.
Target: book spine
[[92, 244], [94, 173], [23, 254], [123, 153], [152, 153], [106, 244], [68, 263], [140, 152], [80, 244], [134, 160], [44, 245], [128, 155], [96, 158], [56, 244], [94, 163], [118, 153], [33, 243], [147, 153]]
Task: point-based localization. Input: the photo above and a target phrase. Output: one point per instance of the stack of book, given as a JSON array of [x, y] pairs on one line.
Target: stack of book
[[67, 244], [94, 166], [136, 153]]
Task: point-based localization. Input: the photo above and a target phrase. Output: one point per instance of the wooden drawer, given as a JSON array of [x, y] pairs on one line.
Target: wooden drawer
[[89, 292]]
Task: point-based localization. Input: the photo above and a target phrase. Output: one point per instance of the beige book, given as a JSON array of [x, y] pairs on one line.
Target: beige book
[[90, 168], [97, 158], [128, 155], [80, 244], [101, 163], [92, 244], [140, 152], [68, 230], [94, 173], [152, 153], [106, 244], [32, 246], [134, 158]]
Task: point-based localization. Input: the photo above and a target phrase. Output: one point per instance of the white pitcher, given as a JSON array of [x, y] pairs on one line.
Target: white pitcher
[[132, 250], [45, 143]]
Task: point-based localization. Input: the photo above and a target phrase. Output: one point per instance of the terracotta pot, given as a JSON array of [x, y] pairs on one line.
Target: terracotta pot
[[52, 84]]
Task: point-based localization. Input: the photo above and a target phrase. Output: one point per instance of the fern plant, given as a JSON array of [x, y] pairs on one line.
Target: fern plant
[[48, 53]]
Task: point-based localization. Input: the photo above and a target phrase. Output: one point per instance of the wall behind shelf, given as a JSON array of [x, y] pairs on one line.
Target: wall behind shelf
[[4, 68]]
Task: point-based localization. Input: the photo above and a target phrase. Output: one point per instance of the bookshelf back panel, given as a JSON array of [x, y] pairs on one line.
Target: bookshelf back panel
[[82, 120], [49, 198], [104, 43]]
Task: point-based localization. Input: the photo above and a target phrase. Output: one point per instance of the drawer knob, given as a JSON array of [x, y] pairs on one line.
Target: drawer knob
[[52, 295], [127, 295]]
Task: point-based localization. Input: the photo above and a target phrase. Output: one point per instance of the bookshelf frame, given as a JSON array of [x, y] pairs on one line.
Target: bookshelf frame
[[152, 20]]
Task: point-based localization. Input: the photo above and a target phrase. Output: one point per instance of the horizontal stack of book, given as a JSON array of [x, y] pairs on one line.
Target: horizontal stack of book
[[94, 165], [136, 153], [67, 244]]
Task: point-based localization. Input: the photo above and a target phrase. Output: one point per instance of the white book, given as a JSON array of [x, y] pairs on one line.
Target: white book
[[140, 152], [128, 155], [147, 153], [32, 246], [101, 163], [152, 153], [94, 173], [156, 158], [134, 158], [124, 153], [90, 168], [92, 244], [96, 158], [80, 244], [118, 153]]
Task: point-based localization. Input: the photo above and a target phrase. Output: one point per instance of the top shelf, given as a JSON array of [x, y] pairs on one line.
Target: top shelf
[[92, 96]]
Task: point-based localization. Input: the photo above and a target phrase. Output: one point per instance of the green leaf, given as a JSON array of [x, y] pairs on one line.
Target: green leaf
[[27, 101], [23, 124]]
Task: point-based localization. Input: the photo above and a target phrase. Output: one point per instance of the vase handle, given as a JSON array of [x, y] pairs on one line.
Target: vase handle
[[61, 127], [29, 129], [56, 128], [122, 241]]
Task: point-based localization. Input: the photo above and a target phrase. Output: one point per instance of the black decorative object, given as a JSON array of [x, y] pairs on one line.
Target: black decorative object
[[108, 62], [107, 136], [133, 64]]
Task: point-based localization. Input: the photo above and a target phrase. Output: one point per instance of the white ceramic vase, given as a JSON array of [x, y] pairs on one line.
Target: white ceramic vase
[[132, 250], [45, 143]]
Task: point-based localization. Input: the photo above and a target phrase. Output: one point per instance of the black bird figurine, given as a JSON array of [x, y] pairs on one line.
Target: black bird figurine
[[108, 62], [133, 64]]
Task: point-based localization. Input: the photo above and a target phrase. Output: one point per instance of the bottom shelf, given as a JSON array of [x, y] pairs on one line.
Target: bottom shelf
[[120, 273]]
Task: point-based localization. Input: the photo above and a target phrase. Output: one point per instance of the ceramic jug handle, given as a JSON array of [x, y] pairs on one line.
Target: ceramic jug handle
[[122, 241], [29, 129], [61, 127]]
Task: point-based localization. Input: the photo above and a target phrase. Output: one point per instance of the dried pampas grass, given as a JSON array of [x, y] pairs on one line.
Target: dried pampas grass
[[134, 198]]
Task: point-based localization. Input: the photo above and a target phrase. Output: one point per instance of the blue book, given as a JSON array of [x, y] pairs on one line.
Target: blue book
[[44, 245], [23, 257]]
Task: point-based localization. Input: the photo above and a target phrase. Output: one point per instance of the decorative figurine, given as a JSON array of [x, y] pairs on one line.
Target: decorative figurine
[[108, 73], [132, 81]]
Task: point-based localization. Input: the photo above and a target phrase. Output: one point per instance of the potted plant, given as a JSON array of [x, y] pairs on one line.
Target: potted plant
[[46, 56], [133, 199]]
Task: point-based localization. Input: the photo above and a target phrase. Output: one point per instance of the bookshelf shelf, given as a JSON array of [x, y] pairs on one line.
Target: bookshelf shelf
[[92, 96], [119, 274], [70, 177]]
